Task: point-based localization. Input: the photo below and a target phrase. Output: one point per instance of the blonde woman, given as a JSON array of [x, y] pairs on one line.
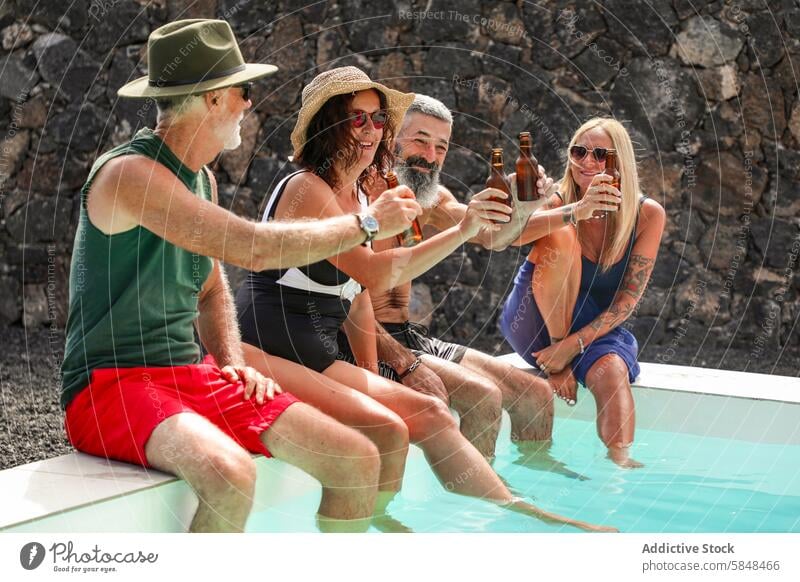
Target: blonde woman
[[593, 253], [345, 127]]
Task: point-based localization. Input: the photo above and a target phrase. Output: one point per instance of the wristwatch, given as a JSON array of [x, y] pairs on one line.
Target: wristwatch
[[369, 224]]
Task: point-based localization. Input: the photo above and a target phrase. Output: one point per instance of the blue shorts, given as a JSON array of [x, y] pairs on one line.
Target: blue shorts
[[523, 327]]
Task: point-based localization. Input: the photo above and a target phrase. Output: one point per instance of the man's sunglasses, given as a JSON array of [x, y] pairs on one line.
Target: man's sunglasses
[[578, 152], [359, 118], [245, 87]]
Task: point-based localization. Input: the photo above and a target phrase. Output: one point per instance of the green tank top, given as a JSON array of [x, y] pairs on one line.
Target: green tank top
[[132, 295]]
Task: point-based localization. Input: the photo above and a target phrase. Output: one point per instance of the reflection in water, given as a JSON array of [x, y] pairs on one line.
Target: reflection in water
[[536, 455]]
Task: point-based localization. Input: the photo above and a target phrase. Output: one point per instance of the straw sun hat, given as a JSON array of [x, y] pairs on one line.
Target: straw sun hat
[[193, 56], [341, 81]]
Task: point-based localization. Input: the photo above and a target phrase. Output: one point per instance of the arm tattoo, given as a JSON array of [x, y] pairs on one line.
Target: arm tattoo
[[612, 316], [633, 285], [637, 275], [565, 214]]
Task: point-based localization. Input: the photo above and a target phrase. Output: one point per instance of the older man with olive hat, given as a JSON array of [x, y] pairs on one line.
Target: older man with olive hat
[[146, 271]]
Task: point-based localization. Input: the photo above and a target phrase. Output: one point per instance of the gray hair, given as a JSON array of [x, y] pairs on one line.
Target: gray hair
[[430, 106], [174, 107]]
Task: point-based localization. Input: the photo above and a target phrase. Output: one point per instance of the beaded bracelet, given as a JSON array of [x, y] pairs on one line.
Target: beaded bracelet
[[414, 365]]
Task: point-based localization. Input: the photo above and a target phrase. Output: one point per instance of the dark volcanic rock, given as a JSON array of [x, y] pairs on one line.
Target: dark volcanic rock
[[70, 16], [284, 46], [373, 26], [774, 240], [646, 28], [10, 303], [40, 220], [79, 128], [707, 42], [451, 23], [246, 16], [450, 61], [462, 168], [559, 35], [728, 185], [601, 62], [265, 173], [767, 42], [137, 113], [16, 79], [62, 65], [669, 270], [660, 99], [763, 105], [125, 23]]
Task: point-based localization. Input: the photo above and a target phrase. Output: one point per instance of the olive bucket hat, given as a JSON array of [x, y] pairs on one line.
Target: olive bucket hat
[[193, 56]]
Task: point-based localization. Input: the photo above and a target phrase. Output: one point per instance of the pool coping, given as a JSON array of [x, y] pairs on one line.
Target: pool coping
[[103, 480], [704, 381]]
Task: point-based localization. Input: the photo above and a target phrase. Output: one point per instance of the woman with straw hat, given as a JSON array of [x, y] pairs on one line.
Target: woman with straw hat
[[344, 131], [147, 268]]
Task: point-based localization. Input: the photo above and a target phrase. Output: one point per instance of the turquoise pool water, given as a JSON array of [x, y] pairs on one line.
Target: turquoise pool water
[[689, 484]]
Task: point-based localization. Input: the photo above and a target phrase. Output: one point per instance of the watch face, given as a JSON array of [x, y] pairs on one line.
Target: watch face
[[370, 222]]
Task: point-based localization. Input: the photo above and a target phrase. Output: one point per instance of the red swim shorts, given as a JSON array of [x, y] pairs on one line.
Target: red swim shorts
[[116, 413]]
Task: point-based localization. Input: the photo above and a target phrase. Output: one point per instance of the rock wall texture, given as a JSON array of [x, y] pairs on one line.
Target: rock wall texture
[[708, 89]]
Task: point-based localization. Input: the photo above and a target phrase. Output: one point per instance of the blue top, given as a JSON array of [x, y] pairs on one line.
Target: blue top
[[524, 328]]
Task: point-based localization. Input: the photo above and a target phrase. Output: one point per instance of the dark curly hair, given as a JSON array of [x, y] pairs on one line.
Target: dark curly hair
[[330, 140]]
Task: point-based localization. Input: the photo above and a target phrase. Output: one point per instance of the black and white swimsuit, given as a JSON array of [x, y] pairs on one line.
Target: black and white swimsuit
[[296, 313]]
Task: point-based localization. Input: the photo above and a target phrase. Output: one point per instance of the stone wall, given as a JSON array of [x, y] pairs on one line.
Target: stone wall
[[709, 91]]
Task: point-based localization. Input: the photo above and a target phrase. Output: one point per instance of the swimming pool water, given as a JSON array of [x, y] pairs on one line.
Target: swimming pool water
[[689, 484]]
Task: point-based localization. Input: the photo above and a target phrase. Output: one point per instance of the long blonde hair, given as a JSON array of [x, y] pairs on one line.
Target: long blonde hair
[[623, 221]]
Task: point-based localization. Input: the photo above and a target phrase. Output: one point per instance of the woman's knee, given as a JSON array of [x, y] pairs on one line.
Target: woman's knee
[[608, 378], [390, 434], [431, 418], [556, 246]]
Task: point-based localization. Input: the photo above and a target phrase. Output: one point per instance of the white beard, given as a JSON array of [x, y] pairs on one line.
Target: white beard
[[234, 135]]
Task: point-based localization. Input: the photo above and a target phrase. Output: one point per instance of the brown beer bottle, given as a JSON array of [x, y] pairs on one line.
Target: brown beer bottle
[[527, 170], [411, 236], [612, 169], [497, 177]]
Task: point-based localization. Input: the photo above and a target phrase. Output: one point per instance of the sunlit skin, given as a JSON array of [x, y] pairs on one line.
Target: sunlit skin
[[479, 386], [390, 413], [557, 255], [584, 173], [426, 137], [132, 190]]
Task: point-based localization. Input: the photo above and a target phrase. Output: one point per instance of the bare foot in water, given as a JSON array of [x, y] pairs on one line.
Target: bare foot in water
[[536, 455], [620, 456]]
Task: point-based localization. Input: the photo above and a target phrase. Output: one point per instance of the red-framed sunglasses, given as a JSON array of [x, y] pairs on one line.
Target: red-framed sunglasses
[[359, 118], [578, 152]]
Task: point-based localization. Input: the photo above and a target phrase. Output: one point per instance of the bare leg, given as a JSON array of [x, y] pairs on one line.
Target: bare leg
[[382, 426], [477, 400], [527, 398], [555, 286], [344, 461], [556, 279], [220, 472], [536, 455], [616, 415], [459, 465]]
